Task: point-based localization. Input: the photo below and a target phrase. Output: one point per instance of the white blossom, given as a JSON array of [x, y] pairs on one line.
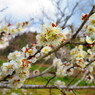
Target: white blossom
[[57, 62]]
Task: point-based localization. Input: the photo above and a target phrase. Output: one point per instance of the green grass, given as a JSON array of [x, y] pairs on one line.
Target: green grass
[[1, 62], [34, 67]]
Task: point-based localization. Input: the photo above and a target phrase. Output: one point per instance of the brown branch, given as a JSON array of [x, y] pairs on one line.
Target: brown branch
[[44, 72], [35, 53], [50, 80], [49, 87], [74, 92], [50, 91], [81, 79], [81, 26], [74, 78], [54, 50]]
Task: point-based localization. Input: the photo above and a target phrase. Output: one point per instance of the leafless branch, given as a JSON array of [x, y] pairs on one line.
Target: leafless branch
[[81, 26], [68, 17], [79, 73], [44, 72], [49, 87], [50, 80], [81, 79], [3, 9]]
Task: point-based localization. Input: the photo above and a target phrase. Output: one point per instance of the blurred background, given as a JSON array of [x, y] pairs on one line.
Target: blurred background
[[65, 13]]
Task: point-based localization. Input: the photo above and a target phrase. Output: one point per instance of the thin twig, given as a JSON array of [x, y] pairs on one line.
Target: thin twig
[[81, 26], [35, 53], [68, 17], [79, 73], [81, 79], [50, 80], [44, 72], [50, 91], [74, 92]]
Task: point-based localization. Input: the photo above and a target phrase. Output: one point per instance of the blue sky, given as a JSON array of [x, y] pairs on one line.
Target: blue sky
[[21, 10]]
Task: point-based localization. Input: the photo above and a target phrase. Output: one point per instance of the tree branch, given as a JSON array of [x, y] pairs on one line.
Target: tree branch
[[48, 87], [81, 79], [81, 26], [68, 17], [44, 72]]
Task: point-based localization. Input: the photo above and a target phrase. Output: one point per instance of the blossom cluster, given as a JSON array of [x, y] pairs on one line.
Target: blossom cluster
[[91, 26], [82, 58], [59, 83], [9, 31], [90, 29], [79, 56], [46, 50], [18, 66], [63, 68], [50, 35]]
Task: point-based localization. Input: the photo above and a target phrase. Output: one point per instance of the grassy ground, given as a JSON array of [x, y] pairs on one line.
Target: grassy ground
[[42, 81]]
